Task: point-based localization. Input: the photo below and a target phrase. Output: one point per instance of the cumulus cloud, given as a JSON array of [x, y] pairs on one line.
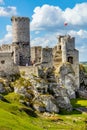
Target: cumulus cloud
[[53, 17], [8, 37], [76, 15], [46, 17], [80, 33], [47, 40], [8, 11]]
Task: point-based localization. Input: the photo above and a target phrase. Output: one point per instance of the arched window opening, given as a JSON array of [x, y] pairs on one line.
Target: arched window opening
[[70, 60]]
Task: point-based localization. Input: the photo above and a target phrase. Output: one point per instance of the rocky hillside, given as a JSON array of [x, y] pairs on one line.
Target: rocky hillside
[[83, 81], [50, 91], [25, 97]]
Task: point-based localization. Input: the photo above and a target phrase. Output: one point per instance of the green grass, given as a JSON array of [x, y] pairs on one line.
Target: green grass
[[85, 67], [79, 102], [14, 117]]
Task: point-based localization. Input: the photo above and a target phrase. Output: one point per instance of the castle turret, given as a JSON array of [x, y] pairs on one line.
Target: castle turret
[[70, 54], [20, 29], [21, 37], [67, 45]]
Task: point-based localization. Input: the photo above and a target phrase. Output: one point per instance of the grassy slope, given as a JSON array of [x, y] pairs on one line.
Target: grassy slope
[[85, 67], [12, 117]]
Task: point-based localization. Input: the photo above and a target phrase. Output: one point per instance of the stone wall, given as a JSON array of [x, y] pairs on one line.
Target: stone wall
[[57, 55], [47, 56], [5, 48], [6, 63], [7, 66], [36, 54]]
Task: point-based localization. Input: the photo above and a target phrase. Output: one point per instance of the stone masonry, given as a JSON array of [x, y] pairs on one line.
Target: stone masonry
[[19, 52], [21, 40], [64, 52]]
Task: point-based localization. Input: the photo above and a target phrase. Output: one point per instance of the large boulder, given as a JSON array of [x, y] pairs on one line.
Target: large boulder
[[39, 106], [66, 78], [2, 88], [50, 75], [40, 85], [49, 103], [61, 96], [70, 85], [82, 94]]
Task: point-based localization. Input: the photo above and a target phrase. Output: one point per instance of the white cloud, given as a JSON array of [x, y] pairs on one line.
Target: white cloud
[[83, 52], [8, 37], [76, 15], [1, 1], [8, 11], [53, 17], [37, 32], [46, 17], [47, 40], [80, 33]]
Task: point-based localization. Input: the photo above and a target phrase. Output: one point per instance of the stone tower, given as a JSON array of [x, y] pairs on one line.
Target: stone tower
[[21, 40], [70, 54]]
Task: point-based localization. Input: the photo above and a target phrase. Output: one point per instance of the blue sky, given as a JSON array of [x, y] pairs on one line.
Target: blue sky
[[47, 21]]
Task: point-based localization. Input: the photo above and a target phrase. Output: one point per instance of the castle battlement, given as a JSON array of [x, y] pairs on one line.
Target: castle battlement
[[16, 18], [66, 38]]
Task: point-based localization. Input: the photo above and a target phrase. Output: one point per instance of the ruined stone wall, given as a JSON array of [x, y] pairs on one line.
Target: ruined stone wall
[[47, 56], [7, 66], [15, 50], [6, 63], [57, 55], [5, 48], [67, 45], [36, 54]]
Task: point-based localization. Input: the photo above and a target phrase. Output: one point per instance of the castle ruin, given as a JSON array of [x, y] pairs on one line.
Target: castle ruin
[[19, 53]]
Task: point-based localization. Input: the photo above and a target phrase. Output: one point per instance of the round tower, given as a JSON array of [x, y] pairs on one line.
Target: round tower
[[21, 37], [20, 29]]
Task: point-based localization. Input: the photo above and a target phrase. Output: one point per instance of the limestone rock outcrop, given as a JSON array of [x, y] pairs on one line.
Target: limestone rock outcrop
[[50, 91], [4, 86], [61, 96], [67, 79], [46, 103], [82, 92]]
